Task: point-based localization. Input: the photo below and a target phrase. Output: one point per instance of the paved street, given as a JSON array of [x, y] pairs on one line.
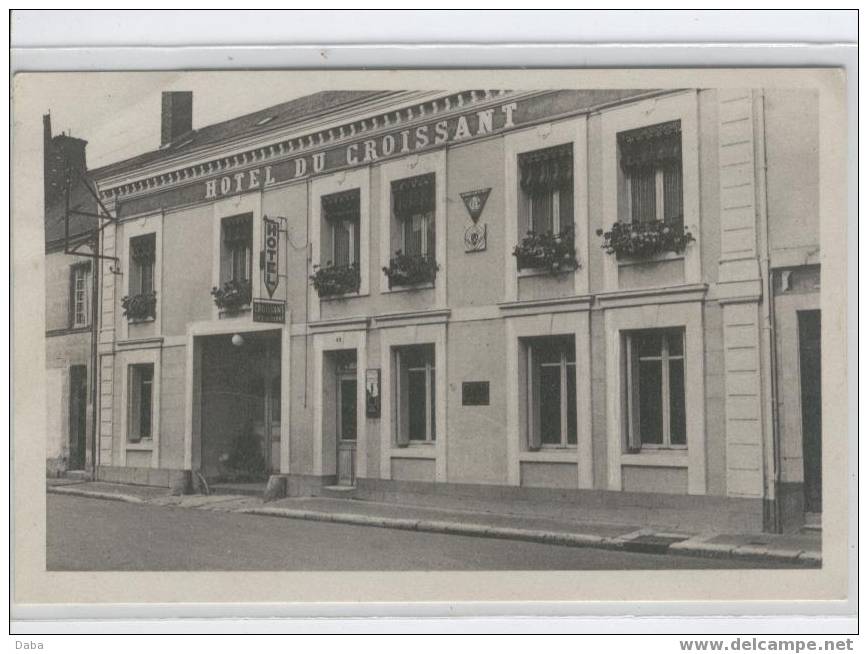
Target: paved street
[[92, 534]]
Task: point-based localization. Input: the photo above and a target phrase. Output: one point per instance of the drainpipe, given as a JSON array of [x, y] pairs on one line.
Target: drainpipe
[[772, 418], [94, 358]]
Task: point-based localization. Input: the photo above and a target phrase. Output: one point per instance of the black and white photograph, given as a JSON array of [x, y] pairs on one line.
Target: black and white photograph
[[552, 324], [424, 330]]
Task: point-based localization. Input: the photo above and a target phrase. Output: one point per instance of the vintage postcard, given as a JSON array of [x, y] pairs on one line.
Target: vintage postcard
[[440, 335]]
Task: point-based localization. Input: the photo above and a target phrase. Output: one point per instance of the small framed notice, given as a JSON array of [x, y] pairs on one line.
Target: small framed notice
[[474, 393]]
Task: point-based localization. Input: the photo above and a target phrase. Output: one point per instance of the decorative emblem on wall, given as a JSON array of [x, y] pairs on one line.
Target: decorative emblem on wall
[[475, 234], [474, 237], [475, 202]]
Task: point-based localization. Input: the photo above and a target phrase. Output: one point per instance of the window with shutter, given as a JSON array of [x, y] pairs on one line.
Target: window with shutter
[[413, 204], [650, 160], [237, 249], [142, 259], [79, 300], [341, 211], [546, 183]]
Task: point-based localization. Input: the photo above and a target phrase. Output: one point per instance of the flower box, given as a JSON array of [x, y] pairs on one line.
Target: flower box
[[553, 253], [330, 280], [645, 240], [142, 306], [410, 269], [233, 296]]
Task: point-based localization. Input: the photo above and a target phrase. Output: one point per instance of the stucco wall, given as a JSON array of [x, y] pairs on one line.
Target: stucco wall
[[173, 416], [186, 272], [468, 168], [58, 268], [476, 446], [792, 144]]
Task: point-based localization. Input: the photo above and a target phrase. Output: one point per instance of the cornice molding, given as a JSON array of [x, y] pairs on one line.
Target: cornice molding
[[301, 139]]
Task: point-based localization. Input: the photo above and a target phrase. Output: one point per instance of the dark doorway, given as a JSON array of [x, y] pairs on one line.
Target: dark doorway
[[240, 407], [77, 417], [809, 367]]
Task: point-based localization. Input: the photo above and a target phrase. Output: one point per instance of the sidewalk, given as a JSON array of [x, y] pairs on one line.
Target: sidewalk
[[801, 550]]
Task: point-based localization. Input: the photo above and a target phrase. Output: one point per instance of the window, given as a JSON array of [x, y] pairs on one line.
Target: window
[[655, 389], [415, 394], [341, 211], [79, 304], [142, 258], [141, 402], [546, 202], [413, 205], [551, 392], [237, 249], [650, 159]]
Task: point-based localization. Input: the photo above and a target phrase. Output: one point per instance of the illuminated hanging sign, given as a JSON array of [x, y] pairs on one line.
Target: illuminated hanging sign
[[270, 254]]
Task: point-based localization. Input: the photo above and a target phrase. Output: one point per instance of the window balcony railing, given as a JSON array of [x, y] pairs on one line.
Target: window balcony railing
[[141, 306], [646, 240], [411, 269], [551, 252], [331, 280], [233, 296]]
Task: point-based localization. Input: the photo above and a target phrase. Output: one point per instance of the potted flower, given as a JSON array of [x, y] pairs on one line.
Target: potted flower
[[141, 306], [233, 296], [552, 252], [410, 269], [331, 280], [645, 240]]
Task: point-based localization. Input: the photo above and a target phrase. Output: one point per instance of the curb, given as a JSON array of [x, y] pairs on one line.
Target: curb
[[445, 527], [696, 547], [97, 495]]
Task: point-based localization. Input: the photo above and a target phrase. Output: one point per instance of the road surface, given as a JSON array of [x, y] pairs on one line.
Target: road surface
[[92, 534]]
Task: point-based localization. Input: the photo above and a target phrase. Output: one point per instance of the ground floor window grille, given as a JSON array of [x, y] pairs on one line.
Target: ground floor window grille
[[552, 420], [415, 394], [655, 399], [141, 402]]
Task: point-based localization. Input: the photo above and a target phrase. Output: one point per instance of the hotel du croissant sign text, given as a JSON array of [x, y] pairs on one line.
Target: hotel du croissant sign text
[[400, 142], [458, 128]]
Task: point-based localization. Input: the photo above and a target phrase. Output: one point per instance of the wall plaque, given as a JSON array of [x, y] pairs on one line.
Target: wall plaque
[[474, 393], [372, 392]]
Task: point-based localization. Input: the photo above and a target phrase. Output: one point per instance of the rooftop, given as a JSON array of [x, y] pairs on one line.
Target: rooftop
[[258, 122]]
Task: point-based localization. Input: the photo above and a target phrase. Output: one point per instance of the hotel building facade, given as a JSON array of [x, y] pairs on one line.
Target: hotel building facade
[[572, 301]]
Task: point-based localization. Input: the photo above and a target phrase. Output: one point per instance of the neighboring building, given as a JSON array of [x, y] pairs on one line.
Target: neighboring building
[[69, 288], [406, 293]]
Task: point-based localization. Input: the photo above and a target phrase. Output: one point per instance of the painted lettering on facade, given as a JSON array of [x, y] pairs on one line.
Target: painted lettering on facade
[[402, 141], [407, 141]]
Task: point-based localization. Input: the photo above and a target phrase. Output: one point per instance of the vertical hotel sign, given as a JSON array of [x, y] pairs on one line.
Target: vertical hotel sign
[[270, 254]]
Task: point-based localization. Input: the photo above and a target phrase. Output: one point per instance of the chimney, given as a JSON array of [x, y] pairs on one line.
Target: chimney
[[63, 156], [177, 115]]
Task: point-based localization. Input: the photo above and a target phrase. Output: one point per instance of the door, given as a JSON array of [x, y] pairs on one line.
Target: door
[[809, 373], [77, 417], [347, 428]]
